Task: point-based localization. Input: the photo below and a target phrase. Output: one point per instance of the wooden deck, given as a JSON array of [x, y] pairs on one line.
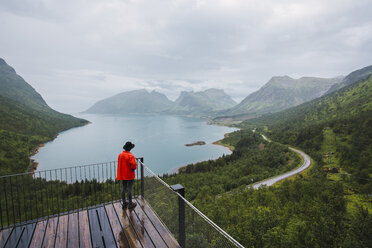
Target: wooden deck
[[103, 226]]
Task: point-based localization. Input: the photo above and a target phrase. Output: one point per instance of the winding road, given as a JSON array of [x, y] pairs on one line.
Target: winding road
[[271, 181]]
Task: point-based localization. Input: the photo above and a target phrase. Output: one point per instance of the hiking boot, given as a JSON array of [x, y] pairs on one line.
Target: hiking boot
[[124, 205], [132, 205]]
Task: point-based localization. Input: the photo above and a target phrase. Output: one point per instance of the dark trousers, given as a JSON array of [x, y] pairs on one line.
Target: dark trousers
[[127, 184]]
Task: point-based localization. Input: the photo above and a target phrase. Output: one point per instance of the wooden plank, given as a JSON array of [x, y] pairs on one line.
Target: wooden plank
[[14, 237], [159, 226], [139, 228], [37, 238], [120, 238], [27, 235], [100, 228], [95, 229], [84, 231], [61, 235], [21, 236], [149, 227], [127, 227], [106, 227], [50, 232], [4, 235], [73, 230]]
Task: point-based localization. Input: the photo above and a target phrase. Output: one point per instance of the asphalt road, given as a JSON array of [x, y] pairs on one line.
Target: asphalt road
[[271, 181]]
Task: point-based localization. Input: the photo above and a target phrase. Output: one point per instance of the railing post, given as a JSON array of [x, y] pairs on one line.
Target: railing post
[[181, 215], [142, 181]]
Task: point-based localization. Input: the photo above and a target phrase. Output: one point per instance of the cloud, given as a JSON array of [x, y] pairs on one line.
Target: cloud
[[96, 48]]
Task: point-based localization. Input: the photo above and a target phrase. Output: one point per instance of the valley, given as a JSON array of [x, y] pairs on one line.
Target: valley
[[327, 206]]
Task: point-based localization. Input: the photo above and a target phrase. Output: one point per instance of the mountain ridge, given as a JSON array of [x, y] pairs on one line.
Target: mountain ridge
[[135, 101], [282, 92], [355, 76], [26, 121], [15, 87], [202, 103]]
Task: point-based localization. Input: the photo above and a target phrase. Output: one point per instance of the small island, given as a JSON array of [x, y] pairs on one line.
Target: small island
[[198, 143]]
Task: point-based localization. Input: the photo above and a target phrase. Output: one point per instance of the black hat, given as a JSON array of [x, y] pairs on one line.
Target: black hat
[[128, 146]]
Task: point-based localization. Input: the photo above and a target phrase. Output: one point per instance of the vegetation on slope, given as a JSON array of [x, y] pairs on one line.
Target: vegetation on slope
[[330, 206], [252, 160], [308, 211], [22, 129], [26, 121], [346, 115]]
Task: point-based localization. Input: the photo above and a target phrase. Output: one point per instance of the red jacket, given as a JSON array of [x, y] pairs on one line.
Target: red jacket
[[126, 166]]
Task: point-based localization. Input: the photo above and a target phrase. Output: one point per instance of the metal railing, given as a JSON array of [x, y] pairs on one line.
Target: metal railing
[[188, 224], [27, 197]]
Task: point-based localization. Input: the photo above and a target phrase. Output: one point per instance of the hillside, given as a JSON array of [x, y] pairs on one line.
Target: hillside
[[344, 103], [202, 103], [136, 101], [355, 76], [280, 93], [326, 206], [334, 129], [26, 121]]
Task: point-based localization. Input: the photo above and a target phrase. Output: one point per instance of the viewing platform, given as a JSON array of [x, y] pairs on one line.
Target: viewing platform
[[81, 207], [101, 226]]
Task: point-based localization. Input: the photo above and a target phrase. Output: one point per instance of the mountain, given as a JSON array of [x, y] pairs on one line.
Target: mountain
[[26, 121], [203, 103], [355, 76], [334, 129], [345, 103], [282, 93], [141, 101], [15, 87], [136, 101]]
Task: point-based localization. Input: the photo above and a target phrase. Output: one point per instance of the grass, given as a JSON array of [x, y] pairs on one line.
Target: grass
[[353, 200], [331, 160]]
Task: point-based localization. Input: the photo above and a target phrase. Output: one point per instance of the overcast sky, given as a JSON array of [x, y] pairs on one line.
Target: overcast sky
[[75, 52]]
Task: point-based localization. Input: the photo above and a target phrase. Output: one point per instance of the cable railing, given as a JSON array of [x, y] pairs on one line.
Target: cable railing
[[28, 197], [188, 224]]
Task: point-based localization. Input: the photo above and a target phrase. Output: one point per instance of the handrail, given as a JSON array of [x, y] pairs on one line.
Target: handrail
[[214, 225], [48, 170], [31, 196], [25, 198]]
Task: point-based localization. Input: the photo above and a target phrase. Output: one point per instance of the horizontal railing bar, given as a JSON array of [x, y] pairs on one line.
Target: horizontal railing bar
[[83, 186], [50, 170]]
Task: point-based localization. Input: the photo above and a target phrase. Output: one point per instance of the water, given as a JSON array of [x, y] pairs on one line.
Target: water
[[159, 139]]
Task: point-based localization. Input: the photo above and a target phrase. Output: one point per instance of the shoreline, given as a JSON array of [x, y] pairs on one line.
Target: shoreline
[[34, 164], [35, 150], [216, 143], [219, 142]]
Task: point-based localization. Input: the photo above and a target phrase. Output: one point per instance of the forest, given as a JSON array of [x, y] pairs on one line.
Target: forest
[[329, 205], [307, 211], [22, 129]]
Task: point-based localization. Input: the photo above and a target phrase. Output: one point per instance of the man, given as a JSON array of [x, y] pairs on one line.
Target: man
[[126, 172]]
